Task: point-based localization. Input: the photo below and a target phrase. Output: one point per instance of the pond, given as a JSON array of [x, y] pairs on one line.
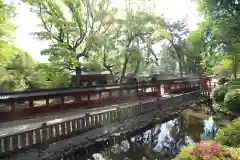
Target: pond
[[162, 141]]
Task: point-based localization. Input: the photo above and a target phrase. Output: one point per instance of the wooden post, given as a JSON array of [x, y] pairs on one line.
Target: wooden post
[[110, 94], [78, 77], [100, 95], [159, 91], [12, 104], [44, 136], [77, 82], [87, 120], [128, 92], [89, 96], [141, 107], [47, 102], [112, 118], [210, 85], [30, 103], [119, 114], [120, 92], [62, 99]]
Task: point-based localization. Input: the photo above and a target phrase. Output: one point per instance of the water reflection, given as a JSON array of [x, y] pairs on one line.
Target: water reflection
[[160, 142], [209, 129]]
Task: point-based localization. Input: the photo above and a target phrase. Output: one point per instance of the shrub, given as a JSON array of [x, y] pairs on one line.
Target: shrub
[[232, 100], [229, 135], [208, 150], [235, 152], [234, 86], [232, 82], [218, 93], [221, 81]]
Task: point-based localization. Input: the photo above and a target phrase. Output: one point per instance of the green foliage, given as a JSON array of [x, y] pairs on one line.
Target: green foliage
[[53, 76], [226, 97], [232, 87], [208, 150], [218, 93], [229, 135], [223, 80], [124, 40], [233, 82], [223, 17], [235, 152], [222, 70], [19, 73], [6, 27], [75, 32], [197, 58], [232, 100], [7, 30]]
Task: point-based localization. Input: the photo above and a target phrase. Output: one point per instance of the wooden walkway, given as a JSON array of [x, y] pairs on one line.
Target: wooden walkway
[[17, 126]]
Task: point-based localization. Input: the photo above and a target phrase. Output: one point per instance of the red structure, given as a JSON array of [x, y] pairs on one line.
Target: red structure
[[20, 105], [93, 78], [171, 84]]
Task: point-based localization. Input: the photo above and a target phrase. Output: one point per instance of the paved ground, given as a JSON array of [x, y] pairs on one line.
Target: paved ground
[[12, 127]]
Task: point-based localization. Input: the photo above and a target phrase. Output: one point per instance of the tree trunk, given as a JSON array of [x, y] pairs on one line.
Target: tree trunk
[[137, 67], [138, 62], [180, 67], [78, 82], [124, 68], [180, 59], [126, 60], [235, 66], [78, 77]]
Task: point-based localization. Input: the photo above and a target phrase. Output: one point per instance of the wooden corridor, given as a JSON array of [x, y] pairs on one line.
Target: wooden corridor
[[42, 136]]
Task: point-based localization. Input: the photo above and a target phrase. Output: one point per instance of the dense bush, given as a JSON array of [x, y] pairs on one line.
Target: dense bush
[[232, 82], [218, 93], [208, 150], [234, 86], [227, 96], [232, 100], [229, 135], [221, 81]]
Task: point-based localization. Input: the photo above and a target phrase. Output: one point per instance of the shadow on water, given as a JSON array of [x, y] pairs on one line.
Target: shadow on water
[[163, 141]]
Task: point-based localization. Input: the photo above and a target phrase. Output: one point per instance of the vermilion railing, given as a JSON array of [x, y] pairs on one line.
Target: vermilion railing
[[17, 105]]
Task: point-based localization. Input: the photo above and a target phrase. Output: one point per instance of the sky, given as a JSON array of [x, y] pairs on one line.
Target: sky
[[26, 22]]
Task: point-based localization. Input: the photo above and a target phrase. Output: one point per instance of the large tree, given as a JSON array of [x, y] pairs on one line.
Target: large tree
[[225, 22], [131, 45], [7, 31], [74, 27], [177, 30]]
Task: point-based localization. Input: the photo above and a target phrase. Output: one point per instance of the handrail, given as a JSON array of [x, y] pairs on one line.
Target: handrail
[[124, 105], [57, 91], [14, 95]]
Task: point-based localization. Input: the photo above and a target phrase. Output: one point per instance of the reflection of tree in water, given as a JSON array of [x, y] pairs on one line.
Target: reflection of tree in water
[[176, 137], [140, 147], [160, 143], [194, 127]]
